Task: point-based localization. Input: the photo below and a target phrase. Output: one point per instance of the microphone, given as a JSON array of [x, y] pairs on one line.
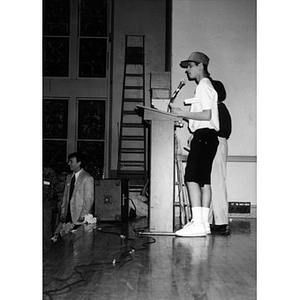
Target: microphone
[[180, 86]]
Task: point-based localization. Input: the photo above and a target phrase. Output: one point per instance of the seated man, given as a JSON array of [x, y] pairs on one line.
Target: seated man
[[78, 197]]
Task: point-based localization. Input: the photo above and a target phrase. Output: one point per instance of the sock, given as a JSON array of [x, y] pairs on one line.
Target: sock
[[197, 215], [205, 213]]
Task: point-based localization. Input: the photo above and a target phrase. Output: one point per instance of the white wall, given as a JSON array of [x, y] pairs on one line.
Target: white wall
[[241, 182], [226, 31]]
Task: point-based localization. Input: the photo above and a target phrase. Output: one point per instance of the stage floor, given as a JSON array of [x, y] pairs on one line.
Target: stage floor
[[115, 262]]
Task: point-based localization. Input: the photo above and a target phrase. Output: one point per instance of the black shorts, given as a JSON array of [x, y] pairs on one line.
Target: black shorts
[[203, 150]]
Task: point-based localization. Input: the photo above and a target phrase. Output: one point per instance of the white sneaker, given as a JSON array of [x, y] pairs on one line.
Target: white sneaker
[[188, 224], [207, 228], [192, 229]]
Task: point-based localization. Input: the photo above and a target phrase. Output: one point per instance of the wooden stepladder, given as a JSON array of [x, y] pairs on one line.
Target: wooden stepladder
[[132, 139]]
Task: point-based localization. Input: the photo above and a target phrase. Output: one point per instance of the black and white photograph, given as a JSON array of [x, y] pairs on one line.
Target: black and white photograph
[[150, 136]]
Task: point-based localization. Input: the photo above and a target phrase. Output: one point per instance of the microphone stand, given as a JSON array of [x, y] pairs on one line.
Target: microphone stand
[[181, 84]]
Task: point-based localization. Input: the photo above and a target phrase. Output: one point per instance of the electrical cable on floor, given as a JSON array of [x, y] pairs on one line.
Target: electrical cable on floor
[[112, 263]]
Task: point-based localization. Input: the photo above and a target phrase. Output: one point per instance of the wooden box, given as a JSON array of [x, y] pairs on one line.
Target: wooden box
[[111, 200]]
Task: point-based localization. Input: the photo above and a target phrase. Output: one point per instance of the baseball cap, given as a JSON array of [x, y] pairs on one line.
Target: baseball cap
[[197, 57]]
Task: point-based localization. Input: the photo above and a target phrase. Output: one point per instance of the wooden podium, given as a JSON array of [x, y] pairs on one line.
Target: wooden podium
[[161, 206]]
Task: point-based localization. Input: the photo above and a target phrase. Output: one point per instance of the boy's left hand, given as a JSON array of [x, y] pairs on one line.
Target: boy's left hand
[[175, 110]]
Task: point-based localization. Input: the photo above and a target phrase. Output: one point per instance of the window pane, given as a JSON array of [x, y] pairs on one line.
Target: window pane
[[91, 119], [56, 17], [56, 57], [93, 18], [55, 155], [92, 58], [94, 156], [55, 119]]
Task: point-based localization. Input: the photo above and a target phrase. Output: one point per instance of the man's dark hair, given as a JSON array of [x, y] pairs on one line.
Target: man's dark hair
[[205, 69], [79, 157]]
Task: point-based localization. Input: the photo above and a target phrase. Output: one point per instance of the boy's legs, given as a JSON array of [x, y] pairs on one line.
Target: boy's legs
[[194, 191], [203, 150], [196, 226], [206, 195], [206, 201], [200, 197]]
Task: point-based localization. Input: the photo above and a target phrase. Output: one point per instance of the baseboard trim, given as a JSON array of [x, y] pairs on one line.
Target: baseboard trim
[[241, 158]]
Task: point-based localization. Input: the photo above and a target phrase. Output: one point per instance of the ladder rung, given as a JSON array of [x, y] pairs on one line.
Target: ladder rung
[[129, 112], [136, 188], [132, 163], [133, 99], [133, 87], [132, 150], [179, 204], [133, 137], [133, 125], [134, 75], [133, 62], [133, 173], [128, 162]]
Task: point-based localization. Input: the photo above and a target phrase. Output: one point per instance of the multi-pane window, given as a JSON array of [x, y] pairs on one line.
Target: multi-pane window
[[75, 48], [87, 42], [55, 133], [91, 134], [56, 30], [93, 38]]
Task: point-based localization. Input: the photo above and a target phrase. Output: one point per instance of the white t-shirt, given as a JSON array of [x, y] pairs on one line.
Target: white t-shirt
[[205, 98]]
